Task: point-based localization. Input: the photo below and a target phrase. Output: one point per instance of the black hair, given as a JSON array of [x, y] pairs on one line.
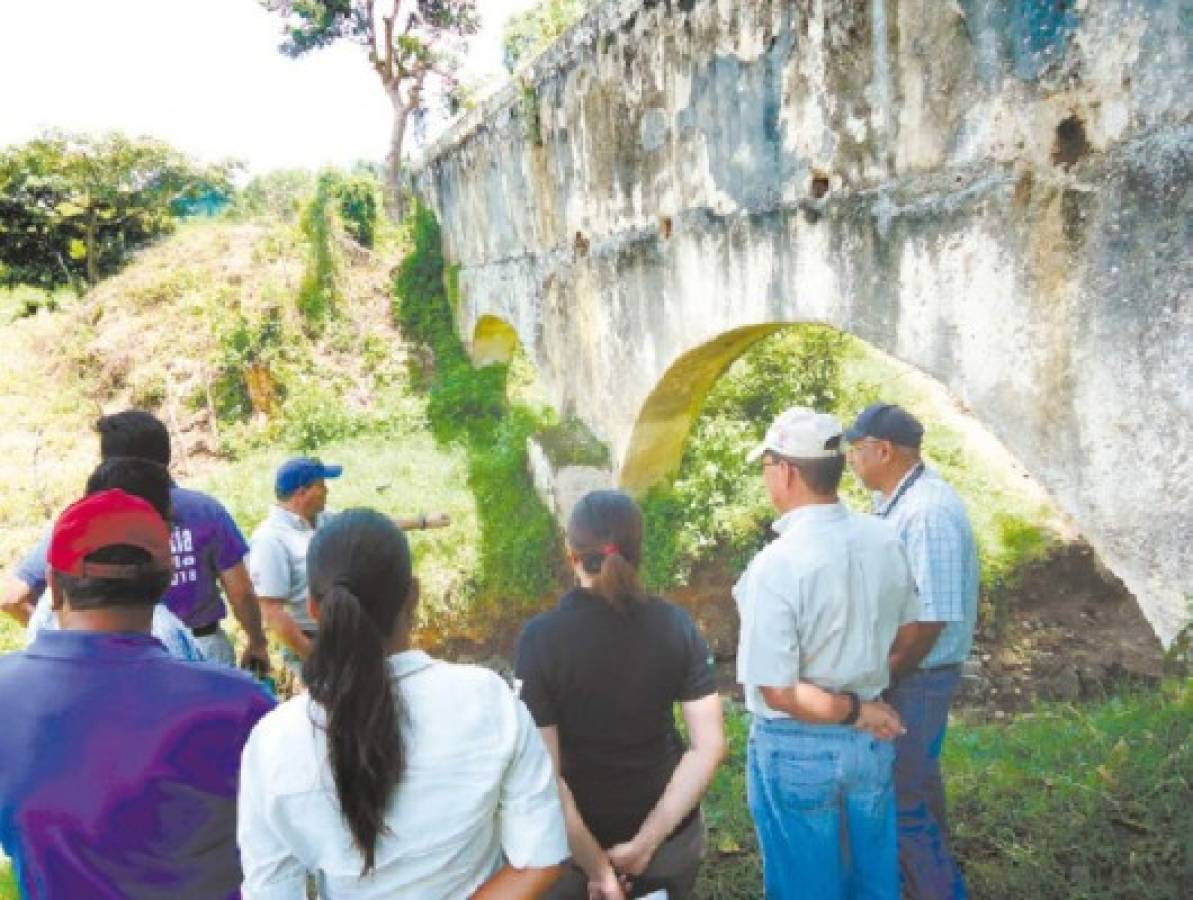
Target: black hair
[[142, 478], [146, 589], [605, 532], [134, 432], [359, 571], [151, 482], [822, 476]]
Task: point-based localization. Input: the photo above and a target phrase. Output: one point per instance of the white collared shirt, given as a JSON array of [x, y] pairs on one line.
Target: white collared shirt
[[278, 561], [822, 603], [478, 786]]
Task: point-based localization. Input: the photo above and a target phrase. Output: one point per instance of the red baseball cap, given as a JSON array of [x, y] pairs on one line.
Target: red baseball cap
[[109, 519]]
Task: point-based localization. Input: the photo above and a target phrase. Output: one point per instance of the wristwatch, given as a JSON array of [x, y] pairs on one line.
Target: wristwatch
[[855, 708]]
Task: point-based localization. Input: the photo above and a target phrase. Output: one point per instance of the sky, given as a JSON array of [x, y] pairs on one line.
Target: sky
[[205, 75]]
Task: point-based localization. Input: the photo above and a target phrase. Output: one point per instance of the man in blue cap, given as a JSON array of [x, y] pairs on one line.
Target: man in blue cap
[[278, 553], [884, 451]]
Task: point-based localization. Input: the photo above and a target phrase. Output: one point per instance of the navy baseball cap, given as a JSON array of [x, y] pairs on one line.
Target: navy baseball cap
[[886, 422], [301, 471]]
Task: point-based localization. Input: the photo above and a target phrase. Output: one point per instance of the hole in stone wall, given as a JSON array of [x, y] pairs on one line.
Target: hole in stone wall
[[665, 227], [581, 244], [819, 185], [1071, 143]]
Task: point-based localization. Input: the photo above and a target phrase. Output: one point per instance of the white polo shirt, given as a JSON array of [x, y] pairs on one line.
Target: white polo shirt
[[478, 785], [822, 603], [278, 561]]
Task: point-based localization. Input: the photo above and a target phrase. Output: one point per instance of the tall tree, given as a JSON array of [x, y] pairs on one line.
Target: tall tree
[[408, 42], [74, 206]]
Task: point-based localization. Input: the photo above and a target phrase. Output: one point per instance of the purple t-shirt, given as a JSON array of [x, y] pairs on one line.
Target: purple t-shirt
[[205, 541], [119, 768]]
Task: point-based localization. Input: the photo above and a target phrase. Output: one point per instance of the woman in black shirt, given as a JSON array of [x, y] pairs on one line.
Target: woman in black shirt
[[601, 674]]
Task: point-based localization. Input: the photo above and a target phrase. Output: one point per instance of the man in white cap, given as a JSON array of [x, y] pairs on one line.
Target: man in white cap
[[821, 607]]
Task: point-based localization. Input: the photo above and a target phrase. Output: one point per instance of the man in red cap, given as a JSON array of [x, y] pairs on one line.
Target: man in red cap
[[118, 764]]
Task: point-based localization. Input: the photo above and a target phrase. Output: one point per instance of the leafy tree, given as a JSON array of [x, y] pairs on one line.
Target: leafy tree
[[407, 42], [74, 207], [530, 32]]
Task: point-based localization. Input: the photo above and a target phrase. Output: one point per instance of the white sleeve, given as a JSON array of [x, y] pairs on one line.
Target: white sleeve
[[769, 652], [269, 568], [530, 815], [271, 871]]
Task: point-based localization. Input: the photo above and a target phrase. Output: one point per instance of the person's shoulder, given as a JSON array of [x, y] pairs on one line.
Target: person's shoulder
[[268, 531], [668, 611], [467, 676], [286, 720], [935, 501], [550, 620], [190, 501], [873, 527], [225, 684]]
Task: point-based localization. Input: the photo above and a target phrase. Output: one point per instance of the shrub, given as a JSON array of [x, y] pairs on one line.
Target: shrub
[[716, 503], [318, 292], [358, 208]]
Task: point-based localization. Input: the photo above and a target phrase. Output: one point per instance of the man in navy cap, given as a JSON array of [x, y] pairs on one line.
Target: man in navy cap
[[278, 553], [884, 451]]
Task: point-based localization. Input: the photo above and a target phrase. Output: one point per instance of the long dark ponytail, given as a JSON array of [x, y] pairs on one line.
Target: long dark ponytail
[[605, 534], [359, 571]]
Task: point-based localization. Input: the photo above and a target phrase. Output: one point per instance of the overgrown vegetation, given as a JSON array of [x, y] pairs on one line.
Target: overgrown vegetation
[[8, 884], [532, 31], [716, 508], [1072, 801], [715, 505], [469, 406], [318, 293], [1079, 801]]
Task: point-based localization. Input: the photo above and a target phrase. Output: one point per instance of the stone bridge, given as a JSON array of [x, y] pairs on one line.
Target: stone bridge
[[999, 192]]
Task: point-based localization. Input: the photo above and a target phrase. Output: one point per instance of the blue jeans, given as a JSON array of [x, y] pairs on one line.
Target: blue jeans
[[926, 864], [823, 802]]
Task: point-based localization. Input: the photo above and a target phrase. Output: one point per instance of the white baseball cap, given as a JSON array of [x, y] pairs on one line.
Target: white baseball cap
[[801, 433]]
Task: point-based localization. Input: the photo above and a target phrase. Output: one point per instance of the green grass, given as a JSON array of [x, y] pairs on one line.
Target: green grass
[[401, 475], [1089, 802]]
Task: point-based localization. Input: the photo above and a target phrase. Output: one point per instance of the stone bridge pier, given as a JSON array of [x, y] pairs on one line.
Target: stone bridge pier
[[999, 192]]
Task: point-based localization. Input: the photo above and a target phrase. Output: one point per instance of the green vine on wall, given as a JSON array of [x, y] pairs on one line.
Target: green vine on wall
[[520, 549]]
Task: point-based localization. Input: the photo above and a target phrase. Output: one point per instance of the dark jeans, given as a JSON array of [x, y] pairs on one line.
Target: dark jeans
[[927, 868]]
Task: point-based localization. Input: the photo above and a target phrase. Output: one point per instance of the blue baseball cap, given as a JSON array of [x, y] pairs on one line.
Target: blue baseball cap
[[886, 422], [301, 471]]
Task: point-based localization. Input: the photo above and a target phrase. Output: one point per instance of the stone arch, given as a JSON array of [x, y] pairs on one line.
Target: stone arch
[[657, 440], [494, 341]]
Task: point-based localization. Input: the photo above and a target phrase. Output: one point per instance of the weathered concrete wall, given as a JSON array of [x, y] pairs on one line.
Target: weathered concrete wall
[[999, 192]]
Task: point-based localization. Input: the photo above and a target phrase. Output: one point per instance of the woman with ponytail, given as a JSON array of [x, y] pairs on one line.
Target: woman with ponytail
[[396, 775], [601, 674]]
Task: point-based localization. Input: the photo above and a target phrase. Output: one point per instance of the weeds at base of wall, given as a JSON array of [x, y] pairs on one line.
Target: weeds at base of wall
[[519, 544]]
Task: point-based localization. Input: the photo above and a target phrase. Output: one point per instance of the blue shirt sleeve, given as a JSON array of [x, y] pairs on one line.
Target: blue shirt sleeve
[[936, 546], [32, 567]]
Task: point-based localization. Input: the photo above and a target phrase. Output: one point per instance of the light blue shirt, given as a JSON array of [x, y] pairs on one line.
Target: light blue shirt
[[278, 561], [934, 527]]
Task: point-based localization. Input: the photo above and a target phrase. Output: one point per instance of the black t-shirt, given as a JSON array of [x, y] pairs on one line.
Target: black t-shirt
[[608, 680]]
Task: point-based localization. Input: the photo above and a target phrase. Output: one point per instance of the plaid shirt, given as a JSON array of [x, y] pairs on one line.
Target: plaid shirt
[[934, 527]]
